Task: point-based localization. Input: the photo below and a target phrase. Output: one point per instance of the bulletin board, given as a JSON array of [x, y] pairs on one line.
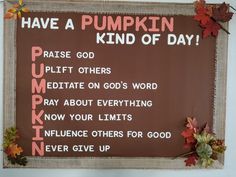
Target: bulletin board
[[103, 84]]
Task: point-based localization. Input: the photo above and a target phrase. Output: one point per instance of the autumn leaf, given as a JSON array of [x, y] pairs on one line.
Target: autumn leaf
[[222, 13], [206, 128], [191, 160], [199, 4], [209, 17], [19, 159], [13, 150], [202, 16], [188, 134], [19, 14], [16, 6], [192, 123], [8, 15], [188, 146], [10, 137], [24, 9], [190, 140], [204, 145], [21, 2], [16, 10], [204, 137], [211, 28]]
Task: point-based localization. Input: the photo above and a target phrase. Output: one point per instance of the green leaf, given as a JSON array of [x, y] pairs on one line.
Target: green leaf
[[204, 137], [206, 162], [10, 137], [19, 159]]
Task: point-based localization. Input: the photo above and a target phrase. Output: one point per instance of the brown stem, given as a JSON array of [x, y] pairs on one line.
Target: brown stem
[[185, 154], [232, 8], [225, 30]]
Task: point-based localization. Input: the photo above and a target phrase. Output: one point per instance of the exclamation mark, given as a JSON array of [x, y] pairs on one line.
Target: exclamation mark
[[197, 40]]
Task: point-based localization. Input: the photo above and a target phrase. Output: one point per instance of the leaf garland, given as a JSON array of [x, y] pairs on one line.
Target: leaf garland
[[16, 10], [204, 145], [210, 17], [12, 150]]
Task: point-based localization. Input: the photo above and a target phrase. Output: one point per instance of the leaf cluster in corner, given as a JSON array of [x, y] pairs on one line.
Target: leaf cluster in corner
[[210, 17], [12, 150], [203, 144]]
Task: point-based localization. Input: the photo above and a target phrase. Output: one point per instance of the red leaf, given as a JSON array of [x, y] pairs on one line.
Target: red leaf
[[211, 28], [191, 160], [190, 140], [187, 133], [189, 145], [222, 13], [202, 16]]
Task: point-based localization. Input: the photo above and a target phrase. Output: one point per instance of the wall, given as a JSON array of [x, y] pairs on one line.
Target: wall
[[230, 159]]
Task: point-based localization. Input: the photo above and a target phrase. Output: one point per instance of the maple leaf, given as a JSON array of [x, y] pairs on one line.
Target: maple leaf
[[20, 2], [187, 145], [19, 159], [10, 136], [190, 141], [206, 128], [222, 13], [25, 9], [13, 150], [16, 10], [192, 123], [187, 133], [202, 16], [8, 15], [191, 160], [211, 28], [199, 4]]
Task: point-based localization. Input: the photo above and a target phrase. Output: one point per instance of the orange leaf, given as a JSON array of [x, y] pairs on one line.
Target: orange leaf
[[8, 15], [199, 4], [24, 9], [14, 150], [209, 10]]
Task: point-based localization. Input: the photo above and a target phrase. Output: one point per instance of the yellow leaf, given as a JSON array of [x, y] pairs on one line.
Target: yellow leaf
[[12, 10], [24, 9], [19, 14], [20, 2]]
